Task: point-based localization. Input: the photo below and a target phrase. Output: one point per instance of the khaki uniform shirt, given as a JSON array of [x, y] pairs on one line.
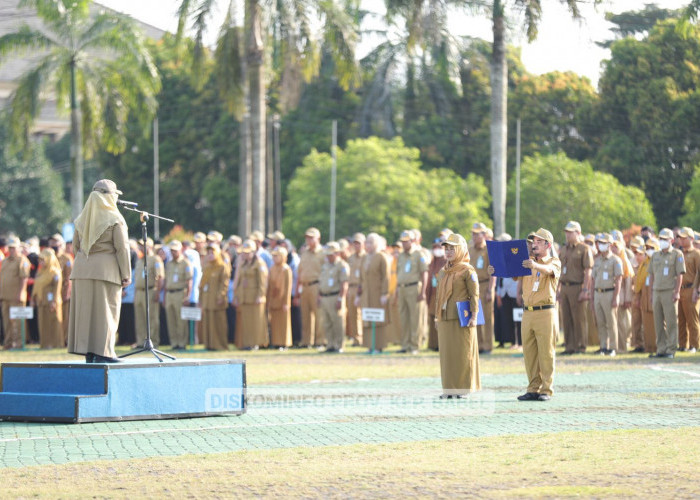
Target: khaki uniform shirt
[[541, 289], [213, 289], [410, 267], [12, 272], [692, 264], [465, 287], [332, 276], [310, 265], [252, 282], [575, 260], [605, 270], [355, 262], [479, 258], [665, 268], [66, 261], [156, 273], [177, 274], [109, 259]]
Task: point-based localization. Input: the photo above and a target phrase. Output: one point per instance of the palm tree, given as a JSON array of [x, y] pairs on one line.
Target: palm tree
[[97, 65], [241, 70], [532, 12]]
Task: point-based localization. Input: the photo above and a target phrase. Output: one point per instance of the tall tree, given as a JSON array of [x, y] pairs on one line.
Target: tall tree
[[96, 65]]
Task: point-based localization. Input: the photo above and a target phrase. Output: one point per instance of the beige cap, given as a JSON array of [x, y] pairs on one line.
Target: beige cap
[[653, 243], [234, 239], [358, 238], [406, 236], [256, 236], [572, 225], [278, 250], [637, 242], [455, 240], [199, 237], [13, 241], [665, 234], [686, 232], [531, 236], [617, 235], [590, 237], [175, 245], [106, 186], [248, 246], [149, 242], [331, 248], [58, 237], [543, 234], [276, 236], [479, 227], [603, 238], [313, 232], [343, 244], [215, 236], [504, 237]]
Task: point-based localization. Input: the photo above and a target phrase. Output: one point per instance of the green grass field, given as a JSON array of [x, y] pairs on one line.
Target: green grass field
[[528, 454]]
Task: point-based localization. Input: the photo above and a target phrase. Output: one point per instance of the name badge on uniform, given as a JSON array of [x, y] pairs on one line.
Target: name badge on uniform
[[563, 270], [434, 282], [665, 271], [205, 288], [357, 273], [536, 286], [480, 262], [330, 281], [174, 278], [143, 273], [50, 296], [301, 287], [646, 281], [605, 275], [407, 268]]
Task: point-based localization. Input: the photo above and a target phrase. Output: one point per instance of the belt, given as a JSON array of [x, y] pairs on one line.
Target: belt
[[572, 283], [178, 290], [408, 284], [353, 284], [603, 290], [689, 285], [309, 283], [329, 294], [538, 308], [141, 289], [484, 281]]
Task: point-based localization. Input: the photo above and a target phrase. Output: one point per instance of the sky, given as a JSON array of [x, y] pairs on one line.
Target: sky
[[563, 44]]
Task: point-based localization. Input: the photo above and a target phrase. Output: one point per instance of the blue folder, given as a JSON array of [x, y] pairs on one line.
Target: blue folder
[[507, 258], [465, 314]]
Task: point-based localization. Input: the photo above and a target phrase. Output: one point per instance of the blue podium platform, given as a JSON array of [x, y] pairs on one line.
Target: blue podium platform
[[132, 390]]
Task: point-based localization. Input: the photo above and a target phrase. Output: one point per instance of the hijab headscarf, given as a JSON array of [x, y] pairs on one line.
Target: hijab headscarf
[[99, 213], [212, 265], [627, 269], [452, 269], [49, 270]]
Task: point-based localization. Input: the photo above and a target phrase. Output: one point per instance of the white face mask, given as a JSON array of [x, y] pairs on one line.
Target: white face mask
[[650, 251], [603, 247], [439, 252], [664, 244]]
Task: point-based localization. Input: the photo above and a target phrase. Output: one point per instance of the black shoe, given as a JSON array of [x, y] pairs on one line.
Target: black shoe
[[529, 396], [104, 359], [402, 351], [653, 355], [638, 349], [89, 357], [566, 353], [599, 351], [330, 350], [611, 353], [668, 356], [485, 351], [681, 349], [445, 396], [544, 397]]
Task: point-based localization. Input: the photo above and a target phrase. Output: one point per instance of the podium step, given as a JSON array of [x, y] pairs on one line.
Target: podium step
[[133, 390]]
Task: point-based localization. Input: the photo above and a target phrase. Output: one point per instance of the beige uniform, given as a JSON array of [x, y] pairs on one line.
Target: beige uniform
[[575, 260], [213, 290], [279, 295], [96, 293], [156, 273], [178, 280], [353, 322], [688, 319], [642, 287], [66, 261], [374, 281], [309, 270], [410, 270], [459, 350], [48, 301], [13, 271], [333, 318], [480, 260], [605, 270], [665, 267], [423, 311], [251, 294], [540, 326]]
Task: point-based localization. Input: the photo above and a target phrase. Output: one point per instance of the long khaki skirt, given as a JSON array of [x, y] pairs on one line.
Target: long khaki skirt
[[459, 358], [253, 326], [214, 329], [94, 317]]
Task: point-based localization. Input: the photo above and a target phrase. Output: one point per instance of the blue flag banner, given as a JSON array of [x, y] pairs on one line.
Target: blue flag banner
[[507, 258], [465, 314]]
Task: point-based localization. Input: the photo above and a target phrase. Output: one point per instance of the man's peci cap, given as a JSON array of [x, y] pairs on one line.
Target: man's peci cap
[[572, 225], [665, 234], [543, 234], [312, 232], [106, 186], [455, 240]]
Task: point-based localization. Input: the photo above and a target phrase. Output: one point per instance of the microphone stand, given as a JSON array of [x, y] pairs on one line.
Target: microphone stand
[[148, 344]]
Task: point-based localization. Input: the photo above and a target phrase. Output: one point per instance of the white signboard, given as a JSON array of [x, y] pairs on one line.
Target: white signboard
[[21, 312], [518, 314], [191, 313], [373, 314]]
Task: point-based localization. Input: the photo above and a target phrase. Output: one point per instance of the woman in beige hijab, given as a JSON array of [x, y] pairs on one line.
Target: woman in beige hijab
[[100, 270], [459, 349], [212, 297], [46, 295], [249, 297], [279, 297]]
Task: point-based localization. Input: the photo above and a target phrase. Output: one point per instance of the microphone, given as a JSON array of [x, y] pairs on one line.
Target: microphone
[[127, 204]]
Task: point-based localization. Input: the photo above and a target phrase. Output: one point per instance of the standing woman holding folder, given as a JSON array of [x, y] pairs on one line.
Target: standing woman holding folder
[[459, 349]]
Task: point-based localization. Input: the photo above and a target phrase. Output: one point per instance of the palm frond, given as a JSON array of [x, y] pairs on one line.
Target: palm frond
[[341, 36], [229, 68], [184, 11], [24, 40]]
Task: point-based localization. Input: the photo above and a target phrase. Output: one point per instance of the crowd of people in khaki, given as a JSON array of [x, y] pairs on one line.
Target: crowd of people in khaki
[[615, 292]]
